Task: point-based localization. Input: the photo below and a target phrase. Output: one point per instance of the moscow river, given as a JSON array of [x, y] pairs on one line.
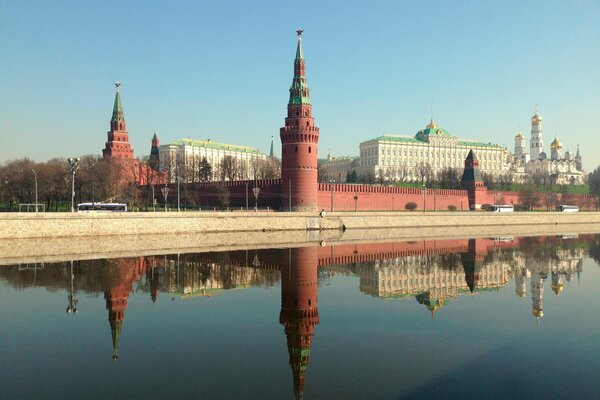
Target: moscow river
[[504, 317]]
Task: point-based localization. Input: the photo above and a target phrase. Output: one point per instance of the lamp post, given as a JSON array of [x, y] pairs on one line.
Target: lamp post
[[36, 190], [255, 191], [424, 194], [153, 199], [165, 193], [356, 202], [72, 306], [331, 182], [178, 197], [74, 165]]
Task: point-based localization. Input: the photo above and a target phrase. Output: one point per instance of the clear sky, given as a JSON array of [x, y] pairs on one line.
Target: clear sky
[[222, 70]]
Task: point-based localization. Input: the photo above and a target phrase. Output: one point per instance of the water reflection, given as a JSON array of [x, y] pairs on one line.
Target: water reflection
[[434, 273]]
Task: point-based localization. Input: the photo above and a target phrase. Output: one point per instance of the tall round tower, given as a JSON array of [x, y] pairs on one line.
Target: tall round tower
[[536, 142], [299, 140]]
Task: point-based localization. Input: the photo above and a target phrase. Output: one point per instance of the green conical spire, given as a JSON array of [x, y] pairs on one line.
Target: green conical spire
[[299, 91], [299, 52], [118, 107]]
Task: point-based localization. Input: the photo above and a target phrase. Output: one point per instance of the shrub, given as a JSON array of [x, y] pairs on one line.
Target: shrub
[[410, 206], [451, 207]]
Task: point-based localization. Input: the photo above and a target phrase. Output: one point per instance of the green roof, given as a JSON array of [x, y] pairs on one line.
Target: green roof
[[117, 109], [209, 144], [433, 132], [419, 138]]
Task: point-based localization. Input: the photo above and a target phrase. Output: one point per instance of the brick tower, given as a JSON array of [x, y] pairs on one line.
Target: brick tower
[[117, 145], [299, 311], [472, 181], [153, 161], [299, 139]]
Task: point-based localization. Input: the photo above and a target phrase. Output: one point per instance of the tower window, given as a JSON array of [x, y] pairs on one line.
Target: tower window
[[296, 149], [309, 150]]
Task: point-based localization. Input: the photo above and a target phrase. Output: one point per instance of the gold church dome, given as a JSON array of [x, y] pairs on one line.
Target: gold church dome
[[536, 117], [520, 136], [538, 313], [558, 288], [556, 144]]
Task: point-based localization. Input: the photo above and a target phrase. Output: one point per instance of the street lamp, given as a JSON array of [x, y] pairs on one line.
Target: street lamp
[[178, 198], [424, 194], [36, 190], [165, 193], [331, 182], [74, 165], [356, 202]]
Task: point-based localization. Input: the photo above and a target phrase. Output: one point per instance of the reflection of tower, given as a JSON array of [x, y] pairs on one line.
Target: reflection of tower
[[72, 307], [128, 270], [537, 293], [472, 262], [536, 142], [299, 311], [521, 282], [299, 140], [557, 284]]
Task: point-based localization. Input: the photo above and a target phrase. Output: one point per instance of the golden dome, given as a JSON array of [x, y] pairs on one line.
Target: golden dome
[[536, 117], [558, 288], [521, 293], [538, 313], [556, 144], [520, 136], [431, 125]]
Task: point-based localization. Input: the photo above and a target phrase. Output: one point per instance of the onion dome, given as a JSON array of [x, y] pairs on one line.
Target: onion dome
[[557, 288], [543, 156], [520, 136], [568, 155], [556, 144], [536, 117]]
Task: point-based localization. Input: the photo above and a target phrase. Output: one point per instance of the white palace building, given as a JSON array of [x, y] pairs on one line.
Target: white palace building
[[422, 157]]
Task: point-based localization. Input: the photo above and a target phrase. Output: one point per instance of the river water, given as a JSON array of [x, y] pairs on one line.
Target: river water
[[505, 317]]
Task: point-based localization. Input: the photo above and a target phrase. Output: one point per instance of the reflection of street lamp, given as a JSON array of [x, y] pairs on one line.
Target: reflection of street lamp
[[74, 165], [165, 193], [331, 182], [72, 307], [36, 191]]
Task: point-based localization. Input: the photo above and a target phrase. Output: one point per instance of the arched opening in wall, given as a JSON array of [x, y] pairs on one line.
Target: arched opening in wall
[[309, 149], [297, 113], [296, 149], [307, 123]]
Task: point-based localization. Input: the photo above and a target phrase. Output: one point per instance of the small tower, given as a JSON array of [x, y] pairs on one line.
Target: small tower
[[555, 149], [299, 140], [520, 148], [473, 182], [117, 145], [578, 160], [153, 161], [536, 142], [271, 151]]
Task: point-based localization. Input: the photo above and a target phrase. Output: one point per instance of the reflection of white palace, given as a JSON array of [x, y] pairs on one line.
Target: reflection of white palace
[[433, 280]]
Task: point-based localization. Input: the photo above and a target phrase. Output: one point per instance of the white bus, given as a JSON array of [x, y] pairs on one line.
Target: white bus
[[566, 208], [102, 207], [502, 208]]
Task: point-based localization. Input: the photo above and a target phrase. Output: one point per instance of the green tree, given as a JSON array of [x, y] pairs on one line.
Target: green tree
[[594, 181], [205, 170]]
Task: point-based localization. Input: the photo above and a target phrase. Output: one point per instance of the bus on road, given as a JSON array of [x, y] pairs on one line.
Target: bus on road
[[566, 208], [502, 208]]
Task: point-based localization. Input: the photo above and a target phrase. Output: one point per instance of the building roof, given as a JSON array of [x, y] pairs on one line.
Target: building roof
[[209, 144], [420, 139]]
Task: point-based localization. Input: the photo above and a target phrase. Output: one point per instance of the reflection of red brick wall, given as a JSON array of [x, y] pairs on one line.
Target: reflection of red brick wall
[[552, 200]]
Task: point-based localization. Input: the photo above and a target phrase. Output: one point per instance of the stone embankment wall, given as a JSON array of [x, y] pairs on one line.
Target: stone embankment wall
[[53, 225]]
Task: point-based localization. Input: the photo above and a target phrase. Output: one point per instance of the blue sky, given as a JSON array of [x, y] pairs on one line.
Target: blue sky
[[222, 69]]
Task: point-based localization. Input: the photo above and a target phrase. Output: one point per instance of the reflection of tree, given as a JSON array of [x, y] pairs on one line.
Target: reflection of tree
[[595, 250]]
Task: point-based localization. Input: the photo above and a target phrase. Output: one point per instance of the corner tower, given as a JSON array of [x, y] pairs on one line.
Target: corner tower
[[117, 145], [299, 140]]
